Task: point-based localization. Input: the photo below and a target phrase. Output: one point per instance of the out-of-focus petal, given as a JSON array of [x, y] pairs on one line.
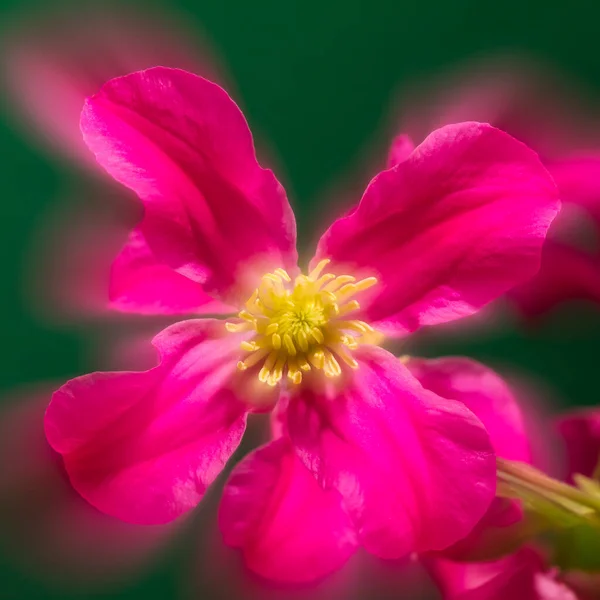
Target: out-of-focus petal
[[400, 150], [180, 142], [70, 54], [144, 446], [514, 94], [416, 471], [288, 527], [141, 284], [456, 224], [581, 434], [47, 528], [578, 179], [521, 576], [566, 273]]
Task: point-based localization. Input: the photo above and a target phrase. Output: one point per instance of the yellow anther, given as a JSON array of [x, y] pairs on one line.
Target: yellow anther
[[289, 344], [251, 302], [249, 346], [338, 282], [348, 308], [324, 279], [334, 310], [238, 327], [317, 358], [317, 335], [294, 374], [283, 274], [350, 341], [255, 358], [277, 371], [302, 340], [297, 325], [247, 316], [332, 367], [365, 284], [351, 362], [318, 269], [271, 328], [359, 326], [303, 363]]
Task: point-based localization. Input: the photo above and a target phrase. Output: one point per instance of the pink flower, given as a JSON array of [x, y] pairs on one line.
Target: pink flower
[[526, 574], [525, 101], [523, 575], [581, 433], [363, 454]]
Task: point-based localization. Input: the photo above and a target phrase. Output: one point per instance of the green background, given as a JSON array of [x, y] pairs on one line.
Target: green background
[[316, 79]]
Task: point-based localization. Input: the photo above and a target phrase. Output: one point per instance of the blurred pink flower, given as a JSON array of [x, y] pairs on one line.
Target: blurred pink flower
[[53, 58], [45, 524], [581, 432], [525, 574], [70, 54], [363, 456], [534, 106]]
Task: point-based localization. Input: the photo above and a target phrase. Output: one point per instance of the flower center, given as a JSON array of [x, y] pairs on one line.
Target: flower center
[[302, 324]]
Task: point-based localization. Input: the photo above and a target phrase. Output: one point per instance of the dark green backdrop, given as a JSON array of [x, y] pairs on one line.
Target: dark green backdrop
[[315, 78]]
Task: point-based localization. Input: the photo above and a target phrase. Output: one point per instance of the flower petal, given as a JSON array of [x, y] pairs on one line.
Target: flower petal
[[520, 576], [453, 226], [184, 147], [417, 471], [144, 446], [578, 179], [581, 433], [288, 528], [491, 400], [141, 284], [566, 273], [400, 150], [484, 393]]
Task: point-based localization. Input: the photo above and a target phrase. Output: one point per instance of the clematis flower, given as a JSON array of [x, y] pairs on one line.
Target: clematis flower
[[527, 573], [363, 454], [533, 105]]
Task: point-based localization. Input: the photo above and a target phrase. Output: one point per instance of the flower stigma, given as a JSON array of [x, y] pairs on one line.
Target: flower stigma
[[302, 324]]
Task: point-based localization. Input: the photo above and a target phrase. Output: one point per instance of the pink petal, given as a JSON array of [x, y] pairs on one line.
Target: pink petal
[[141, 284], [453, 226], [288, 527], [70, 54], [181, 143], [483, 392], [581, 433], [512, 93], [578, 179], [490, 399], [144, 446], [46, 526], [417, 471], [400, 150], [566, 273], [521, 576]]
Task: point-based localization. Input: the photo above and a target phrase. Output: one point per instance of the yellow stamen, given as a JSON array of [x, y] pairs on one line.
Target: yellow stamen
[[318, 269], [276, 341], [302, 325], [283, 274]]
